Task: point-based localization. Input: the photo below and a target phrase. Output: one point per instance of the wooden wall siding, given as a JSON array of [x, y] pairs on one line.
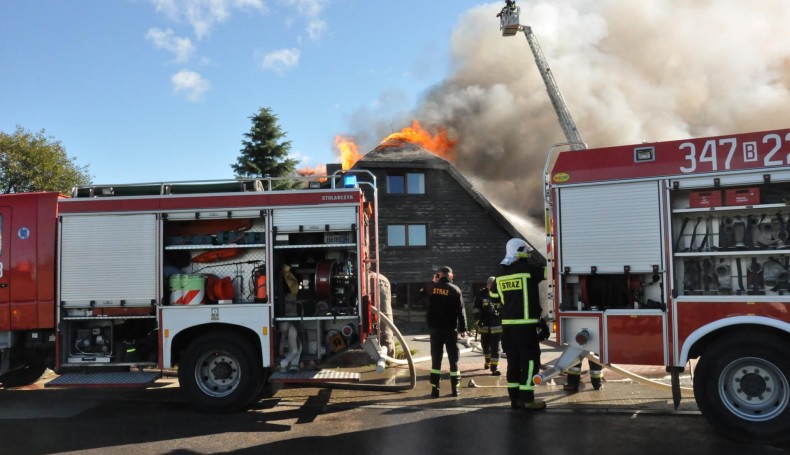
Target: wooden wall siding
[[460, 232]]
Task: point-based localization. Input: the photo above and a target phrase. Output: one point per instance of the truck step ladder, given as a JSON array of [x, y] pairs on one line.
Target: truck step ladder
[[314, 376], [105, 379]]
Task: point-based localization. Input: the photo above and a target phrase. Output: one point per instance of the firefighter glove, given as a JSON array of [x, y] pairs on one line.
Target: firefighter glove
[[542, 329]]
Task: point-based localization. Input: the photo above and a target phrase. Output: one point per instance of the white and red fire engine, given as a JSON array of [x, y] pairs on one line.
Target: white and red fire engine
[[666, 252], [117, 282]]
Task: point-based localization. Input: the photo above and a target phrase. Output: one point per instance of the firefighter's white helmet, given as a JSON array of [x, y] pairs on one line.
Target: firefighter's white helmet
[[514, 250]]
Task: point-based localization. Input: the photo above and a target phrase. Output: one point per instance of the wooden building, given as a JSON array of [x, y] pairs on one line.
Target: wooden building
[[430, 216]]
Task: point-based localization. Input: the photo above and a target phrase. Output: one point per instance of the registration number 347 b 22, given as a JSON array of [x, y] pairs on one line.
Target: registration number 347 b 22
[[729, 153]]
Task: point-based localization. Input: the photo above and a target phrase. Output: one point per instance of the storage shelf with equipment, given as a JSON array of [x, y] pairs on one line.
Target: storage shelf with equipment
[[315, 289], [317, 245], [213, 247], [730, 241], [759, 208], [213, 258]]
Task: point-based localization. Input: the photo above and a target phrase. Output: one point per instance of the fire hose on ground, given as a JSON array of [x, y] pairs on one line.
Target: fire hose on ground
[[590, 357], [552, 371], [471, 346], [385, 387]]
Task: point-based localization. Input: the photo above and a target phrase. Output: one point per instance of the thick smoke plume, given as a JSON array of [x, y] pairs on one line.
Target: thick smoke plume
[[629, 71]]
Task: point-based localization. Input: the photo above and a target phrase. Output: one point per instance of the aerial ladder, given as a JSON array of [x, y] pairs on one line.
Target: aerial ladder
[[509, 25]]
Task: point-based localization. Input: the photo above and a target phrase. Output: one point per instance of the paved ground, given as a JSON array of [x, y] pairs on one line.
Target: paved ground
[[479, 387]]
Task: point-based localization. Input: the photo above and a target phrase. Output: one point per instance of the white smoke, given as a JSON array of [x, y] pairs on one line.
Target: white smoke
[[630, 71]]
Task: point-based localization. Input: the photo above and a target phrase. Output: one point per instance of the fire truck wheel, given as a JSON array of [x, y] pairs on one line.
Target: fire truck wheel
[[23, 376], [743, 389], [218, 373]]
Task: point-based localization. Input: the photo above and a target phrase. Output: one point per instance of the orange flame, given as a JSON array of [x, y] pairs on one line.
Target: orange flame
[[440, 144], [308, 171], [349, 151]]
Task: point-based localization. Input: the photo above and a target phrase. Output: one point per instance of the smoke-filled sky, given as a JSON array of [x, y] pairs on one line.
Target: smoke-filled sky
[[630, 71]]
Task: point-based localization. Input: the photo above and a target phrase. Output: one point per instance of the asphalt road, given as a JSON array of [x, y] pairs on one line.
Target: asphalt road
[[298, 421]]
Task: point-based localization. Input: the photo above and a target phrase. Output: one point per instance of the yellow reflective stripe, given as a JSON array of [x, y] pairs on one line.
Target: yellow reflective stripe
[[455, 373], [493, 295], [518, 321], [530, 370], [512, 385], [436, 371]]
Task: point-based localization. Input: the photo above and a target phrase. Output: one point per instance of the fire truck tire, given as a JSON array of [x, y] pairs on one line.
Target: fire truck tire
[[219, 374], [743, 388], [23, 376]]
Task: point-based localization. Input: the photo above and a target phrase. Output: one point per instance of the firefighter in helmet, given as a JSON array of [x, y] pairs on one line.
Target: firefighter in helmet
[[509, 8], [516, 289], [489, 325], [446, 321]]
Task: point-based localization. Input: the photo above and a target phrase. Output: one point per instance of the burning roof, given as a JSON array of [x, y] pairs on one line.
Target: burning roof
[[409, 140]]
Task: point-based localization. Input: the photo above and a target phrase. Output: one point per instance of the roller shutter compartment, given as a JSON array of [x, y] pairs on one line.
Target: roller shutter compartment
[[610, 227], [108, 260]]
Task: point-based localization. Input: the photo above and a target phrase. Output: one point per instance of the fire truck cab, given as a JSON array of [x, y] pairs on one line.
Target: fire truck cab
[[233, 282], [666, 252]]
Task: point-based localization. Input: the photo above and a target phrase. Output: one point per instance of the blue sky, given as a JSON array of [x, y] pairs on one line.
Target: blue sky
[[158, 90], [152, 90]]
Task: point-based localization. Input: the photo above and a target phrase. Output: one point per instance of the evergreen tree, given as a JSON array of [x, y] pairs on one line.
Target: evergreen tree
[[33, 162], [265, 152]]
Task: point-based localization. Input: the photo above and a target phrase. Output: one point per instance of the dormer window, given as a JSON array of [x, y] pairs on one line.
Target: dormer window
[[406, 183]]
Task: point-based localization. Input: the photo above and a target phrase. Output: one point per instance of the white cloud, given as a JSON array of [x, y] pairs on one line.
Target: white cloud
[[316, 28], [202, 15], [311, 10], [182, 48], [192, 84], [281, 60]]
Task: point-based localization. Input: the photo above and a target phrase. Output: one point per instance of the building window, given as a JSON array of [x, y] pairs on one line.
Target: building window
[[415, 183], [408, 183], [396, 184], [411, 235]]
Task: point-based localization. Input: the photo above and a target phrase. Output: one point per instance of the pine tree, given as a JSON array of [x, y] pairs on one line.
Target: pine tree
[[265, 152]]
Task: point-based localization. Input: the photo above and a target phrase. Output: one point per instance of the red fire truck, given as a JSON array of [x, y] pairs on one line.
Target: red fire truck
[[671, 251], [225, 280]]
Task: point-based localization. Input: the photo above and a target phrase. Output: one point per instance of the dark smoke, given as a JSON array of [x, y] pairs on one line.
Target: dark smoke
[[630, 71]]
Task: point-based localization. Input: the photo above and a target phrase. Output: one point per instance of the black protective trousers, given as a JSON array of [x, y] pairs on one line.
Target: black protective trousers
[[490, 343], [520, 343], [441, 340]]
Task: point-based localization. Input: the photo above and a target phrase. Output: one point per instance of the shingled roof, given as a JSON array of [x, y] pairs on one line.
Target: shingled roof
[[402, 154]]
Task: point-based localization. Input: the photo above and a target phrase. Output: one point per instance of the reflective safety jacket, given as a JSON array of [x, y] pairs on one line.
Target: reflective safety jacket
[[516, 289], [486, 312]]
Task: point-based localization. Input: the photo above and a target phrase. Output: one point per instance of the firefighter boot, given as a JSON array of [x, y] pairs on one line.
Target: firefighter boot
[[596, 383], [574, 378], [529, 401], [455, 379], [515, 400], [596, 375], [435, 378]]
